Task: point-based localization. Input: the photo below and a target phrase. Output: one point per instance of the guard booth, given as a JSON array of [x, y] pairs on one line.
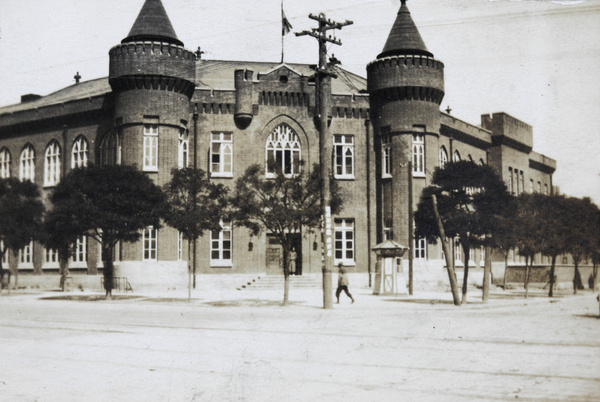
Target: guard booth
[[389, 274]]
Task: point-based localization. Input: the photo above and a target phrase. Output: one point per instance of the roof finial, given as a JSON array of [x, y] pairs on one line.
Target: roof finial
[[77, 77]]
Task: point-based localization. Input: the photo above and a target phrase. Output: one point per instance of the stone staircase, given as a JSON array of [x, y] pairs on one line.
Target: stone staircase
[[264, 282]]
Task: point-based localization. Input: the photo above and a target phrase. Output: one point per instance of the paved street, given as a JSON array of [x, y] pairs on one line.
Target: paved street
[[243, 346]]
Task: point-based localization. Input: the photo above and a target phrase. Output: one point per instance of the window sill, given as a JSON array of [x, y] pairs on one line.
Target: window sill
[[345, 263], [221, 264], [386, 176], [419, 175], [50, 265], [222, 175], [344, 177], [25, 266], [50, 185], [150, 169], [81, 264]]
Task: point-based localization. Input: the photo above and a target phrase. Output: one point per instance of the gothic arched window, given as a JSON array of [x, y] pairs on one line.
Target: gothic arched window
[[79, 155], [52, 164], [4, 163], [110, 149], [283, 151], [27, 164], [443, 156]]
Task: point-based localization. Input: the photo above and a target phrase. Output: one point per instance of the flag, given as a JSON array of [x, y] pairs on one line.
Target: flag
[[286, 27]]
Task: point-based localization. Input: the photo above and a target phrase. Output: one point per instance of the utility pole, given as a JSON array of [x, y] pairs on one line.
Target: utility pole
[[325, 143]]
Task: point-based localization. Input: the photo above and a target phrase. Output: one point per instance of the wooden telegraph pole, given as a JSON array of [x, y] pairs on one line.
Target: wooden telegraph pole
[[325, 143]]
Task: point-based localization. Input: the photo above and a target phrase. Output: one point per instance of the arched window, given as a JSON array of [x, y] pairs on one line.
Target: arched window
[[418, 154], [443, 156], [456, 157], [110, 149], [183, 150], [283, 151], [52, 164], [469, 158], [79, 155], [4, 163], [27, 163]]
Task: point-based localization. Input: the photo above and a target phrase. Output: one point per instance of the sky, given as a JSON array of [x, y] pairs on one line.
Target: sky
[[538, 61]]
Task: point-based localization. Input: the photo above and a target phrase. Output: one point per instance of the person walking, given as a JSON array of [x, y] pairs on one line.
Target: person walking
[[342, 284], [292, 261]]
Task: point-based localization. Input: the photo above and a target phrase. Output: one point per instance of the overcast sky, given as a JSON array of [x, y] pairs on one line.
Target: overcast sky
[[536, 60]]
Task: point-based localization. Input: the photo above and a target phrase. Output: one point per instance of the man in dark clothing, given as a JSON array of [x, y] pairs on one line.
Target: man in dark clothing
[[342, 283]]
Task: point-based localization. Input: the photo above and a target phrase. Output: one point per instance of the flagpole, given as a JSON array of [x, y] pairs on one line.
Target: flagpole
[[282, 30]]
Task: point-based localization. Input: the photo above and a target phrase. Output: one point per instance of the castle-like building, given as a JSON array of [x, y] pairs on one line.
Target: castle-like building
[[163, 107]]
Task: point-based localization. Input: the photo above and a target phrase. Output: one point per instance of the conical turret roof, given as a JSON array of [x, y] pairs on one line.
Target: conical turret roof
[[153, 24], [404, 38]]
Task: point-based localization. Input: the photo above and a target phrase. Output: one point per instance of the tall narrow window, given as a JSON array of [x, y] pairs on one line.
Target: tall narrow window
[[481, 256], [443, 157], [26, 256], [283, 151], [457, 250], [110, 149], [456, 156], [4, 256], [27, 164], [531, 185], [510, 181], [522, 181], [4, 164], [52, 164], [79, 155], [80, 250], [183, 150], [418, 154], [151, 147], [546, 189], [51, 256], [343, 149], [179, 246], [220, 245], [420, 247], [539, 187], [386, 150], [150, 243], [221, 154], [344, 241]]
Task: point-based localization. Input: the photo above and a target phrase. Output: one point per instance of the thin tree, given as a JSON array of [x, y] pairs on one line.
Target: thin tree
[[282, 205], [21, 211], [554, 224], [527, 227], [194, 205], [505, 237], [470, 199], [110, 204], [59, 234]]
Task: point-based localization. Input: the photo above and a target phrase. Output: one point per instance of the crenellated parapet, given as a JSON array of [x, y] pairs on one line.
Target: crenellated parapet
[[152, 65], [406, 77]]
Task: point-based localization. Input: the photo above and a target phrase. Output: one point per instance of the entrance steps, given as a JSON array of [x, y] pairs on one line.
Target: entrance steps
[[263, 282]]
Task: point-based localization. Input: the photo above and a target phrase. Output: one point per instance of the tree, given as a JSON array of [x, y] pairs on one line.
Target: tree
[[194, 205], [505, 237], [109, 204], [282, 205], [21, 211], [470, 199], [554, 224], [527, 227], [580, 233]]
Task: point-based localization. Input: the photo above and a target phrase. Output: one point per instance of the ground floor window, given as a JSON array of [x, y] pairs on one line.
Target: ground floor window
[[26, 256], [51, 257], [220, 245], [344, 241], [80, 250], [150, 241], [420, 247], [179, 246]]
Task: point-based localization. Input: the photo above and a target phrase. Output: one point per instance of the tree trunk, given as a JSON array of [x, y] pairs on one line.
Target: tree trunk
[[447, 255], [189, 267], [286, 277], [552, 264], [64, 272], [109, 270], [466, 250], [487, 270], [527, 270], [577, 284], [505, 268], [194, 249], [594, 275]]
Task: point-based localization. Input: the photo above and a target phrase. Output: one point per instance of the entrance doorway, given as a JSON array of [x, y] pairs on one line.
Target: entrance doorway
[[274, 255]]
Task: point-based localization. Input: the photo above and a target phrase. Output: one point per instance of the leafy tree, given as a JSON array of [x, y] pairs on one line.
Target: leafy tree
[[281, 205], [505, 237], [554, 224], [595, 249], [194, 205], [527, 227], [580, 234], [109, 204], [470, 198], [21, 211]]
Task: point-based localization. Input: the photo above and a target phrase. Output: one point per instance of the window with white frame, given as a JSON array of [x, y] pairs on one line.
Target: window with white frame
[[50, 257], [52, 164], [539, 187], [481, 256], [80, 153], [343, 150], [443, 156], [26, 256], [27, 164], [531, 185], [183, 148], [283, 151], [110, 149], [420, 247], [4, 164], [546, 189], [510, 181], [79, 254], [456, 156], [150, 243], [220, 245], [150, 147], [221, 154], [4, 256], [386, 150], [344, 241], [522, 181], [418, 154], [179, 246], [457, 251]]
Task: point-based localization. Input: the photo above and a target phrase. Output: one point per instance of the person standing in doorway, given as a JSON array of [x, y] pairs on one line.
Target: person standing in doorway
[[292, 261], [342, 283]]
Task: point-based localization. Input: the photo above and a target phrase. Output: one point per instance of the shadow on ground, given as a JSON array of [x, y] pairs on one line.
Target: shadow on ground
[[90, 297], [594, 316], [248, 303]]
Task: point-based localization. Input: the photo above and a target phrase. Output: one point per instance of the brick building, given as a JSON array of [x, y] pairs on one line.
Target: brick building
[[160, 99]]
